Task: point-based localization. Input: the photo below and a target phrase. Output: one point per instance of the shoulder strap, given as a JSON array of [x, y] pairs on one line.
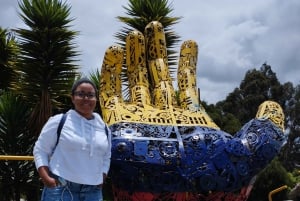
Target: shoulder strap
[[60, 126]]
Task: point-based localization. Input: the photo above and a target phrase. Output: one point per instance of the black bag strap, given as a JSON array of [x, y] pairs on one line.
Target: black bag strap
[[60, 126]]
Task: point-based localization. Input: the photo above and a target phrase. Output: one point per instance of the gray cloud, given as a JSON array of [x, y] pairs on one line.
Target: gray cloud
[[233, 37]]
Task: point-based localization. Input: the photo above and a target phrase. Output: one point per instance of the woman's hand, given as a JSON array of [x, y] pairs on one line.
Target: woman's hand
[[47, 180]]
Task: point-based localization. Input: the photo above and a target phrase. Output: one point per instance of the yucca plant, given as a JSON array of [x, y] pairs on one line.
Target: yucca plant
[[142, 12], [46, 68], [15, 140], [8, 52], [139, 14]]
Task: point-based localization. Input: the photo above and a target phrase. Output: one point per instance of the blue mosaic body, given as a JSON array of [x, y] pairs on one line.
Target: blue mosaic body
[[193, 159]]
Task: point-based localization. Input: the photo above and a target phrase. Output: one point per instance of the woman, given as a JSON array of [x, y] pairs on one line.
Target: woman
[[76, 167]]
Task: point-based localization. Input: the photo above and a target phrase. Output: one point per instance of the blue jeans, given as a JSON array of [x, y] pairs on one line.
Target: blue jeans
[[72, 192]]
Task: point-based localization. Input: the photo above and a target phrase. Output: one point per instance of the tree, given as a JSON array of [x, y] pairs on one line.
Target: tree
[[226, 121], [15, 140], [95, 77], [8, 52], [291, 152], [272, 177], [46, 69], [256, 87]]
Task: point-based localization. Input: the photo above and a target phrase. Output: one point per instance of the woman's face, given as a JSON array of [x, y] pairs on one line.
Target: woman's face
[[84, 100]]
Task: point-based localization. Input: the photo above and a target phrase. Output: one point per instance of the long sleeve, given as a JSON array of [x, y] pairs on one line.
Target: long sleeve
[[45, 144]]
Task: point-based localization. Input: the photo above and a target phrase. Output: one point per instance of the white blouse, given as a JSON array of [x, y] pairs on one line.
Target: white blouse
[[83, 152]]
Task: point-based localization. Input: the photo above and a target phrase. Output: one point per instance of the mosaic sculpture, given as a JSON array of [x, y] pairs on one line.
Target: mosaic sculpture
[[162, 150]]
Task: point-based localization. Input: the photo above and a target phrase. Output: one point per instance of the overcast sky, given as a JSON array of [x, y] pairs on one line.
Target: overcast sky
[[233, 36]]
